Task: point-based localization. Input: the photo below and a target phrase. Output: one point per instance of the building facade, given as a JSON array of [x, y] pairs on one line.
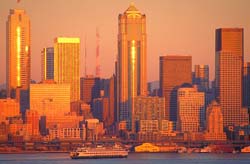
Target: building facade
[[214, 123], [50, 99], [229, 74], [201, 73], [246, 85], [147, 108], [18, 51], [174, 71], [67, 64], [191, 112], [47, 64], [89, 88], [131, 73]]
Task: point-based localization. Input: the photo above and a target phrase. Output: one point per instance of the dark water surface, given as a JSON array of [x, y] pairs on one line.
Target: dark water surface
[[133, 158]]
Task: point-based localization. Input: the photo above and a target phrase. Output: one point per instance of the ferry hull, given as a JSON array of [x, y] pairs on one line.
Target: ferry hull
[[98, 156]]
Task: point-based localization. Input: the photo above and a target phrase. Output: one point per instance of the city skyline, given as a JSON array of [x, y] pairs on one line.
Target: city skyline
[[184, 112], [169, 37]]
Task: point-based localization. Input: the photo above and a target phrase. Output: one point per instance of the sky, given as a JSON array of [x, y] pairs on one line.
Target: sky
[[182, 27]]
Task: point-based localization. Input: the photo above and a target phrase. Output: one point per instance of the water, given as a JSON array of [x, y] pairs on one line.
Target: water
[[133, 158]]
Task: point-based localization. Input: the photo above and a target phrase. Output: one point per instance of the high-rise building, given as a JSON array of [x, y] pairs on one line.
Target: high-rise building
[[229, 74], [214, 123], [174, 71], [18, 51], [131, 65], [201, 73], [47, 63], [89, 88], [66, 64], [191, 112], [147, 108], [246, 85]]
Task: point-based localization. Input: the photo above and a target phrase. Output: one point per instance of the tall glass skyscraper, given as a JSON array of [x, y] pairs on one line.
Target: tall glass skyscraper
[[18, 51], [66, 64], [131, 68]]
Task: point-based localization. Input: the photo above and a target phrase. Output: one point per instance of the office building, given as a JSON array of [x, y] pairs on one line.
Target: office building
[[47, 64], [50, 99], [191, 112], [66, 64], [131, 62], [89, 88], [147, 108], [201, 73], [229, 74], [174, 71], [18, 51]]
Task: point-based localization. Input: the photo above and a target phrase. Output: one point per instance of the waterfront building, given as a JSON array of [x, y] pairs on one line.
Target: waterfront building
[[67, 64], [147, 147], [131, 62], [191, 112], [47, 64], [49, 98], [229, 74], [66, 134], [214, 123], [174, 71]]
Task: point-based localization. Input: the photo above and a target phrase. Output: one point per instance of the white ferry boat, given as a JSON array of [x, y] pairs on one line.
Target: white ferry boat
[[99, 152]]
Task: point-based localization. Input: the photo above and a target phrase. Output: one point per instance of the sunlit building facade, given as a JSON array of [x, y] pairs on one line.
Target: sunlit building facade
[[67, 64], [191, 112], [202, 76], [18, 51], [50, 99], [131, 65], [9, 108], [214, 123], [47, 64], [175, 71], [229, 74]]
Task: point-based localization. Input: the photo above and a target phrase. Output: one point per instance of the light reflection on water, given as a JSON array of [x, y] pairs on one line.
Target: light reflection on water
[[133, 158]]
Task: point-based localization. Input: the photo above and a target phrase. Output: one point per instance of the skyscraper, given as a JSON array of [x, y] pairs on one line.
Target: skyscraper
[[190, 109], [89, 88], [66, 64], [174, 71], [131, 77], [202, 76], [246, 85], [229, 74], [18, 51], [47, 63]]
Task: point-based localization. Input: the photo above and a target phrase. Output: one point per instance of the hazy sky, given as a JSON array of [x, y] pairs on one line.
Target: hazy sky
[[173, 27]]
